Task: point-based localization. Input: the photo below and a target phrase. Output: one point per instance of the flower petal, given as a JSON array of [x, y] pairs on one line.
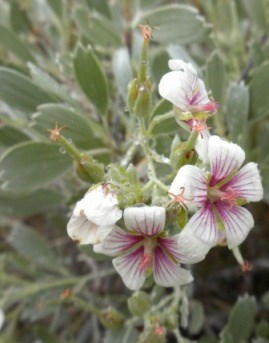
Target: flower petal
[[146, 220], [81, 230], [100, 207], [204, 225], [119, 241], [201, 146], [181, 65], [224, 157], [191, 248], [127, 266], [247, 183], [190, 181], [168, 273], [237, 221], [174, 87]]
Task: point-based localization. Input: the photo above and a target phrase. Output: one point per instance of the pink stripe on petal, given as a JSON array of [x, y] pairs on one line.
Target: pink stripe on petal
[[170, 246], [128, 267], [119, 241], [237, 221], [224, 158], [247, 183], [204, 225], [167, 273]]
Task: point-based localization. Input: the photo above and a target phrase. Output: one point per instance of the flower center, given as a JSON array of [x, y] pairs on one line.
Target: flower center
[[145, 262], [229, 196]]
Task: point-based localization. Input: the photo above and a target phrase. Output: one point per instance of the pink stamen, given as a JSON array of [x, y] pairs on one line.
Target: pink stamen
[[145, 262], [229, 196], [211, 106], [198, 125], [180, 198]]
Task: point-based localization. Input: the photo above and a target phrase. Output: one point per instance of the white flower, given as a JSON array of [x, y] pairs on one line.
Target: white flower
[[219, 194], [2, 318], [184, 89], [94, 216], [145, 248]]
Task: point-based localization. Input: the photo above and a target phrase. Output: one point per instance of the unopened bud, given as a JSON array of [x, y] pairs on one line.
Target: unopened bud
[[89, 170], [111, 319], [139, 303], [143, 102], [132, 94], [156, 334]]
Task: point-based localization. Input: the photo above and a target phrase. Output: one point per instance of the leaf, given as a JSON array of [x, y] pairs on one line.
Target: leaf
[[98, 29], [122, 70], [159, 65], [177, 24], [256, 10], [259, 100], [100, 6], [31, 165], [216, 76], [32, 246], [57, 7], [10, 135], [12, 43], [241, 320], [18, 17], [19, 92], [48, 84], [78, 128], [265, 182], [237, 108], [26, 205], [91, 78]]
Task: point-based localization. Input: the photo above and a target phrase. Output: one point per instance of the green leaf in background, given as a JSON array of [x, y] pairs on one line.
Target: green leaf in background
[[10, 135], [19, 92], [57, 7], [216, 77], [159, 65], [98, 29], [122, 70], [259, 100], [237, 108], [18, 17], [257, 11], [241, 320], [48, 84], [78, 128], [91, 78], [265, 181], [100, 6], [31, 165], [197, 317], [32, 246], [10, 41], [177, 24], [29, 204]]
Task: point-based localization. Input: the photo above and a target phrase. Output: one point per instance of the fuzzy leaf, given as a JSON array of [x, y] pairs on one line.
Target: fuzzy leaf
[[19, 92], [31, 165], [10, 135], [177, 24], [91, 78]]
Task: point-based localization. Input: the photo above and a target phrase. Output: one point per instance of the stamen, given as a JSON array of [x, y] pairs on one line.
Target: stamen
[[199, 126], [180, 198], [229, 196], [145, 262]]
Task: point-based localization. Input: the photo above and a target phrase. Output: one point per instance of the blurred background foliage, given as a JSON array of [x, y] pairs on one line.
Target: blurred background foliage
[[69, 62]]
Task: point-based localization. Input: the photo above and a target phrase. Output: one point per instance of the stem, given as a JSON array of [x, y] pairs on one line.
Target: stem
[[142, 72], [69, 148], [85, 306], [159, 119]]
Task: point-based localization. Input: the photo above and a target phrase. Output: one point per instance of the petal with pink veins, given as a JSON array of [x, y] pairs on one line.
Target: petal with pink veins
[[237, 221], [246, 183], [127, 266], [224, 157], [146, 220], [204, 225], [168, 273], [190, 182], [119, 241]]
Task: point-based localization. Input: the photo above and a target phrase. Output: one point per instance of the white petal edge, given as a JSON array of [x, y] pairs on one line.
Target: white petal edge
[[192, 180], [203, 225], [201, 146], [191, 248], [146, 220], [237, 221], [174, 87], [2, 318], [127, 266], [224, 158], [247, 183], [167, 273]]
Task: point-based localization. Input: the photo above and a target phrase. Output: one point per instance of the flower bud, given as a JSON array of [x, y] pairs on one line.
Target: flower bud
[[111, 319], [89, 170], [132, 94], [155, 334], [139, 303], [142, 106]]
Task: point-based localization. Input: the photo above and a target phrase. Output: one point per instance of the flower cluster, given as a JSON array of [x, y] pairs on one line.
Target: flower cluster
[[213, 192]]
